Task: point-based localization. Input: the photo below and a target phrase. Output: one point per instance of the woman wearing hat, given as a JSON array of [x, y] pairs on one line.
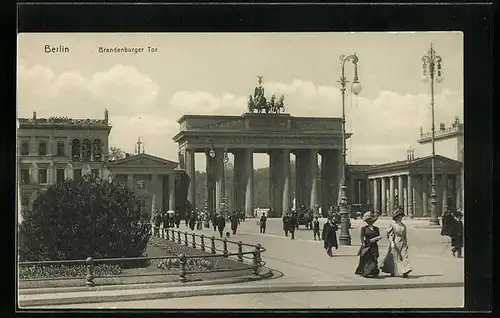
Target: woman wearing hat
[[396, 261], [368, 251]]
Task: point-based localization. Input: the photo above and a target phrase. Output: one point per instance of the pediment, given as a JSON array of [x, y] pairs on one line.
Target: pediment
[[440, 162], [143, 160]]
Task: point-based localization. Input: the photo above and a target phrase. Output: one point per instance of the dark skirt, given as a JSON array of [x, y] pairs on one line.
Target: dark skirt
[[457, 241], [368, 261]]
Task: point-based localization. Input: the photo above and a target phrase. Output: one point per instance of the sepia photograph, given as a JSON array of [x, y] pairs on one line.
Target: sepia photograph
[[318, 170]]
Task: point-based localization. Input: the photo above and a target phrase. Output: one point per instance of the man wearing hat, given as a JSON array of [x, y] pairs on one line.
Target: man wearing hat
[[457, 235], [329, 236]]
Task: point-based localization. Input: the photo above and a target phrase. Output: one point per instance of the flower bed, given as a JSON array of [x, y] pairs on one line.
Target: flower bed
[[40, 271]]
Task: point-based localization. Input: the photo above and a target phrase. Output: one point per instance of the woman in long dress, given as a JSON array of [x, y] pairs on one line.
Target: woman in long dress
[[396, 261], [368, 251]]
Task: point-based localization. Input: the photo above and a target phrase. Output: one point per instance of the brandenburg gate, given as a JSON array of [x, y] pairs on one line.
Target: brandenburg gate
[[264, 130]]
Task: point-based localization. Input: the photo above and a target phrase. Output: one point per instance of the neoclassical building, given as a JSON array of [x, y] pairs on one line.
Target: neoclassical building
[[53, 149], [56, 148]]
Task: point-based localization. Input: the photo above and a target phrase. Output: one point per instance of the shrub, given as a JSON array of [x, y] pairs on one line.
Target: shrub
[[192, 264], [62, 270], [76, 219]]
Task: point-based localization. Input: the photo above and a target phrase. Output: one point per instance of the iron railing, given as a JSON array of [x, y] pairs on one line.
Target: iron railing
[[245, 252]]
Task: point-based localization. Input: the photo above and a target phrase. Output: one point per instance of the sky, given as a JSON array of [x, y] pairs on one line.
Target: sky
[[213, 73]]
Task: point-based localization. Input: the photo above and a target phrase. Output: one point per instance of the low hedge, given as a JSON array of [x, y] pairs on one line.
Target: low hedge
[[62, 270], [192, 264]]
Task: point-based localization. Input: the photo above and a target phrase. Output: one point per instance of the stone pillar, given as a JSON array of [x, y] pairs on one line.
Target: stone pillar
[[425, 202], [33, 147], [439, 193], [171, 191], [313, 178], [410, 196], [376, 206], [302, 184], [287, 202], [157, 190], [50, 148], [210, 184], [130, 181], [458, 192], [190, 171], [391, 195], [351, 190], [248, 170], [383, 192], [405, 201], [444, 182], [400, 191], [219, 177], [368, 189]]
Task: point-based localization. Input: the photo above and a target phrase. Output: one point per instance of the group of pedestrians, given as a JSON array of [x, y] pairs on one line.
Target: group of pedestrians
[[453, 227], [290, 224], [396, 262]]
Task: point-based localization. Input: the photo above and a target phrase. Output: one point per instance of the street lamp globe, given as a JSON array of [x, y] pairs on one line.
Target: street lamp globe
[[356, 87], [425, 78], [211, 153], [439, 79]]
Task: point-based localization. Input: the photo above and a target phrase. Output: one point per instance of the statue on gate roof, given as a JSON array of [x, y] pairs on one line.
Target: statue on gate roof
[[259, 103]]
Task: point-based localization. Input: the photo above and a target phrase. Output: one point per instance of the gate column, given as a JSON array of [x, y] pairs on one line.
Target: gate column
[[248, 171], [287, 202]]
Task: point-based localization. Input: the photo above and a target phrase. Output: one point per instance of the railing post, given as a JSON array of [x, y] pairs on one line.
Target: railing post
[[194, 240], [186, 239], [90, 277], [165, 235], [240, 251], [256, 260], [153, 229], [203, 242], [182, 268], [172, 237], [179, 237], [212, 248], [224, 250]]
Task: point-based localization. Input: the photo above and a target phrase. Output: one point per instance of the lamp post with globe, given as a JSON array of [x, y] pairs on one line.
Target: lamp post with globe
[[211, 155], [431, 68], [345, 237]]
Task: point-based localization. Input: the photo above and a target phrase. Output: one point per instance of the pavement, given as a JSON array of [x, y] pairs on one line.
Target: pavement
[[302, 264]]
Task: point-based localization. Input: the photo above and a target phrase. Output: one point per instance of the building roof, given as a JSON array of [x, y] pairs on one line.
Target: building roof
[[142, 159], [406, 163]]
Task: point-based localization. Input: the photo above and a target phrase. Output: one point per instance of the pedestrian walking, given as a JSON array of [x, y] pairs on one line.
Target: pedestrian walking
[[286, 226], [315, 227], [192, 220], [221, 223], [396, 261], [368, 251], [457, 235], [447, 221], [234, 218], [177, 217], [215, 219], [329, 236], [292, 225], [262, 222]]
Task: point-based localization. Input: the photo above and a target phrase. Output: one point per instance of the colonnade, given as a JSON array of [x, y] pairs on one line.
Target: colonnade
[[281, 193], [412, 192]]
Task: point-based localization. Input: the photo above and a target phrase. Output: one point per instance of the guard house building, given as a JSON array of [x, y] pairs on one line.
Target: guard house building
[[407, 183]]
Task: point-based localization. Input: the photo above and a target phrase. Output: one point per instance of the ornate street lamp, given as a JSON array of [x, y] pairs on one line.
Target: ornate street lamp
[[432, 70], [345, 237], [225, 160], [211, 155]]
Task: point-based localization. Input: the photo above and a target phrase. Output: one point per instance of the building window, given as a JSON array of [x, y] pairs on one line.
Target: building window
[[25, 148], [97, 150], [42, 176], [77, 174], [60, 149], [60, 175], [95, 173], [75, 149], [25, 176], [42, 148], [86, 150]]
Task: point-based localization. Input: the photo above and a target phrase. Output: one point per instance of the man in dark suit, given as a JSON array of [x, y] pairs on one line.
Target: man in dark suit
[[292, 225]]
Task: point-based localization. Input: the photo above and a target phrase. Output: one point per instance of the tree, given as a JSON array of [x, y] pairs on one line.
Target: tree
[[116, 153], [76, 219]]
